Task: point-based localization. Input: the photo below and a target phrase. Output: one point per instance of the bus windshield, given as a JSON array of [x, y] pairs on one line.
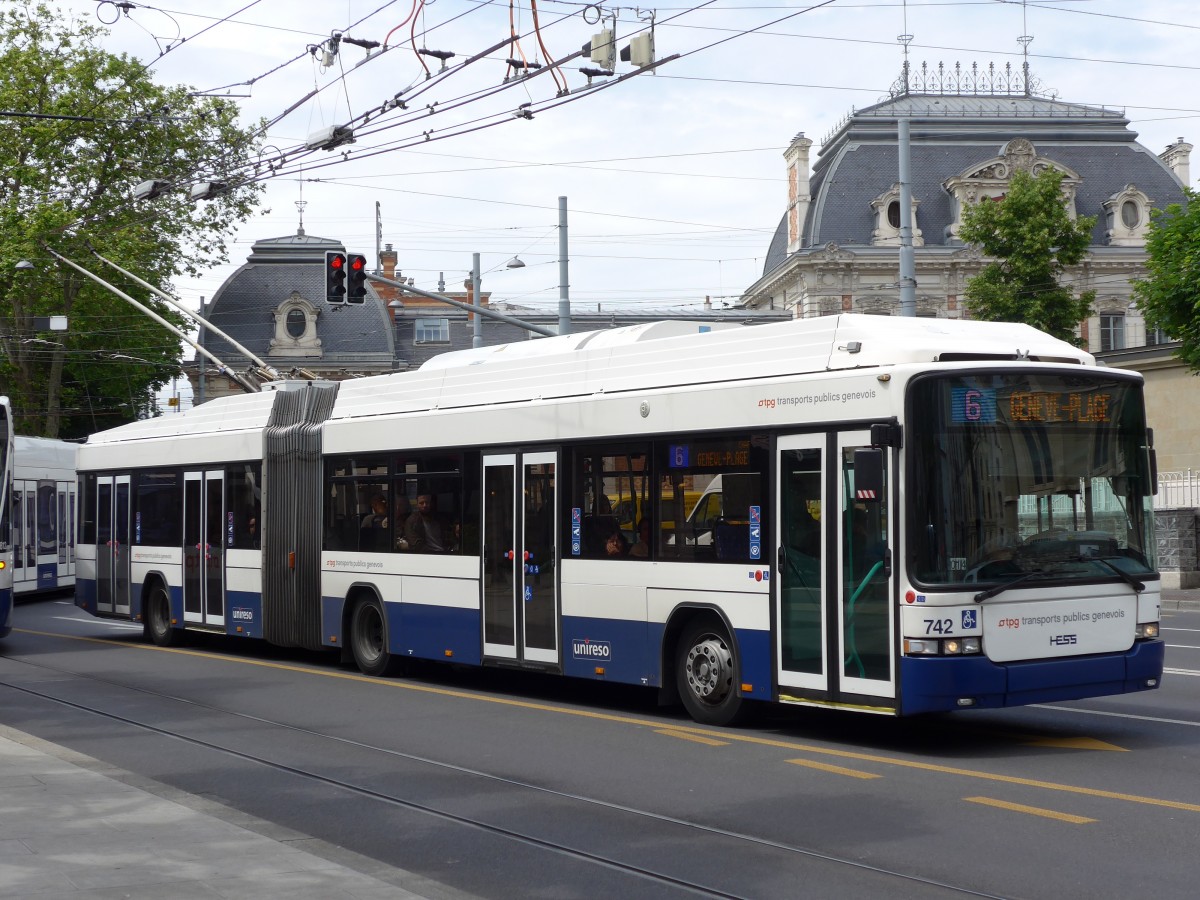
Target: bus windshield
[[1028, 475]]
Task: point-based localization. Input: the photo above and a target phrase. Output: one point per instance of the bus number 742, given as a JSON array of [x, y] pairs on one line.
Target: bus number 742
[[939, 626]]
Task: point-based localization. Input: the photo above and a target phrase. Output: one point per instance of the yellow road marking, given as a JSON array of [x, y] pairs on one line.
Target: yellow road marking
[[686, 736], [1031, 810], [733, 737], [835, 770], [1071, 743]]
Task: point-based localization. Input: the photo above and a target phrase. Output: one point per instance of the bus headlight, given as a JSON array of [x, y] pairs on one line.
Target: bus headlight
[[1146, 630], [917, 647], [942, 647]]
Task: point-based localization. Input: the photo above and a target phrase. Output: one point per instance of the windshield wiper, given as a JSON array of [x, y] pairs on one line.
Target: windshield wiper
[[1137, 586], [1001, 588]]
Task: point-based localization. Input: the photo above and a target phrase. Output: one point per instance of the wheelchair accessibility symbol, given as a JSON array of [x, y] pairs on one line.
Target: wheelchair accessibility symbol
[[968, 619]]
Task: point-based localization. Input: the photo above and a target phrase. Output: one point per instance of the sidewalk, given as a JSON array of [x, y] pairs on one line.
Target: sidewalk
[[73, 827], [1187, 598]]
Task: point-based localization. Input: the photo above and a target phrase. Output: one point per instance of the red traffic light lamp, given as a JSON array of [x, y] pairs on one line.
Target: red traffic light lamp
[[356, 278], [335, 276]]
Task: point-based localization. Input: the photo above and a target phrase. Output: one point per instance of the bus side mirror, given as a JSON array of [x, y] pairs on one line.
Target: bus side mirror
[[868, 474]]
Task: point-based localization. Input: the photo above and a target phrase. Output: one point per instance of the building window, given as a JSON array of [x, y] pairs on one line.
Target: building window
[[893, 213], [1112, 331], [431, 331], [1131, 214], [1156, 336], [297, 323]]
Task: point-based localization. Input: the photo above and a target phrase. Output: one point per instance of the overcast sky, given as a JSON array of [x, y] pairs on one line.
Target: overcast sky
[[674, 179]]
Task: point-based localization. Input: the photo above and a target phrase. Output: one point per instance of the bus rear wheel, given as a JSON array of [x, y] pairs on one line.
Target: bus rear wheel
[[705, 671], [368, 639], [158, 619]]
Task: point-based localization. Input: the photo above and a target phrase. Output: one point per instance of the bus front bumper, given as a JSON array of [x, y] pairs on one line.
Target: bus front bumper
[[944, 683]]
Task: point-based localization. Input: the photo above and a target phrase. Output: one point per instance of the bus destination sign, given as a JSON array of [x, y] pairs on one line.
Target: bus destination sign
[[983, 406]]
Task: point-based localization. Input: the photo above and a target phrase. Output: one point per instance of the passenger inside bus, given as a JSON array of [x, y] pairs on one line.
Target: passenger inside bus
[[617, 545], [428, 532], [641, 549]]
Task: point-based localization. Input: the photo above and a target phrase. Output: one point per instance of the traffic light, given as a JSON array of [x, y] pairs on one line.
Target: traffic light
[[335, 276], [356, 279]]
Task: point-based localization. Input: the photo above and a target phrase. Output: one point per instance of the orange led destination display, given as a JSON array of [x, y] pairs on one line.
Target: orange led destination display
[[1054, 407], [981, 405]]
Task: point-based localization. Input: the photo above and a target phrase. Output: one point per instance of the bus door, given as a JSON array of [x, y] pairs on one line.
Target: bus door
[[112, 544], [802, 640], [204, 547], [24, 535], [65, 568], [520, 580], [834, 609]]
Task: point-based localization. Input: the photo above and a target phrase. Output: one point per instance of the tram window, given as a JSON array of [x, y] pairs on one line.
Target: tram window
[[158, 510], [47, 517], [87, 509], [437, 502], [244, 500], [613, 489], [725, 524], [371, 504]]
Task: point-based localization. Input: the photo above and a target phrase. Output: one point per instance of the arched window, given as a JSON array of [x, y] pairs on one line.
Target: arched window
[[297, 323], [1131, 214]]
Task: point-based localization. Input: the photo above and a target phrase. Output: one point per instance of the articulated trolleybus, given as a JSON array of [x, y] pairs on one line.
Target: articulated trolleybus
[[43, 516], [900, 516], [6, 548]]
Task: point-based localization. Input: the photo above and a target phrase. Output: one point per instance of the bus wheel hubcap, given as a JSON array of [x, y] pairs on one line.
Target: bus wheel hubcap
[[709, 668]]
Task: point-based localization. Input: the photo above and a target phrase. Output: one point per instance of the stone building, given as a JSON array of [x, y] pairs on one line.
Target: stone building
[[836, 247]]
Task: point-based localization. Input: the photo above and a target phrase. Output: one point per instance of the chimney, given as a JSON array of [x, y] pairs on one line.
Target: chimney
[[387, 261], [1178, 158], [799, 196]]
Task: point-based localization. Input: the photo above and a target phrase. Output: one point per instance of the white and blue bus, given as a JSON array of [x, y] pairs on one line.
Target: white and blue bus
[[902, 516], [43, 516], [6, 548]]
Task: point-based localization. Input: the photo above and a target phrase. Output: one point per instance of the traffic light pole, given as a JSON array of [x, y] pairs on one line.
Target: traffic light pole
[[479, 310]]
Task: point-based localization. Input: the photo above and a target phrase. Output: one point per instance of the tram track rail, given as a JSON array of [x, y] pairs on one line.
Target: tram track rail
[[542, 843]]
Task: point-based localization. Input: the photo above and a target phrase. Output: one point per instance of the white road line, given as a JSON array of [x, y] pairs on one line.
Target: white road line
[[113, 624], [1182, 671], [1116, 715]]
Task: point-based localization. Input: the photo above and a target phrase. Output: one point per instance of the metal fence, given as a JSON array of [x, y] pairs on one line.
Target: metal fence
[[1178, 490]]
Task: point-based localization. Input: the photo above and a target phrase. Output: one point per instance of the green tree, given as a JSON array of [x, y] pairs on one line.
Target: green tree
[[1169, 296], [81, 127], [1032, 240]]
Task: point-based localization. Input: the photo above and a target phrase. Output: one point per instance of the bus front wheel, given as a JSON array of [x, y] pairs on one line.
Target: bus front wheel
[[368, 639], [705, 673], [158, 619]]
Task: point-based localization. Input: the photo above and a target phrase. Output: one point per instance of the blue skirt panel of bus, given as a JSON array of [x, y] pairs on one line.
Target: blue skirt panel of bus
[[243, 611], [935, 684], [627, 651], [754, 651], [47, 576], [434, 632], [6, 609]]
